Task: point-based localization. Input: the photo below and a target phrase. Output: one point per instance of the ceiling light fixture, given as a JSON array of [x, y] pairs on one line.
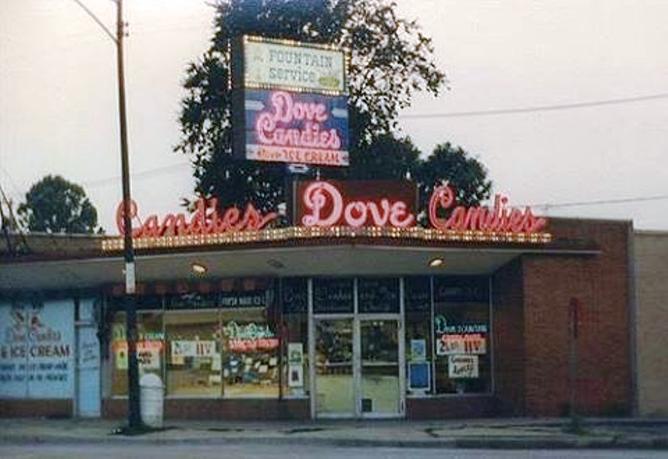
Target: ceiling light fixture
[[198, 269], [275, 264], [436, 262]]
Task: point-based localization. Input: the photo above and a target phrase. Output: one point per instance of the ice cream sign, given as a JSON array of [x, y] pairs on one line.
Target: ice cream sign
[[289, 102], [290, 127]]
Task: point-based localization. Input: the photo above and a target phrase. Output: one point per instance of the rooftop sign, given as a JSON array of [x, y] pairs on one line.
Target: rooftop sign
[[334, 209], [293, 66], [296, 128], [289, 102]]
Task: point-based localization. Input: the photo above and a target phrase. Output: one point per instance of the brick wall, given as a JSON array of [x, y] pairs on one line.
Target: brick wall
[[23, 408], [223, 409], [601, 283], [450, 407], [508, 344]]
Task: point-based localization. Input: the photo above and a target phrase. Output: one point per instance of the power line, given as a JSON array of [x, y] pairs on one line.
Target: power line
[[143, 174], [601, 202], [537, 108]]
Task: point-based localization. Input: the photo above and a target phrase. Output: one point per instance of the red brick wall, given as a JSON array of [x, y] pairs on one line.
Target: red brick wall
[[600, 282], [470, 406], [35, 408], [223, 409], [508, 339]]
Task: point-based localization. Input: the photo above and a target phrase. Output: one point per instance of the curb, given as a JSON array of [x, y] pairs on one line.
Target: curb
[[656, 443]]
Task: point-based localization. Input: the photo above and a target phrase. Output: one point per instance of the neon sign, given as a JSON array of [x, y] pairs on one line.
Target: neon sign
[[285, 111], [323, 204], [206, 219], [295, 128], [330, 203], [497, 219]]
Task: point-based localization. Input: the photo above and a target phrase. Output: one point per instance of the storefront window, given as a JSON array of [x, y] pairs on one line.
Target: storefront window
[[461, 335], [150, 345], [333, 296], [251, 346], [193, 353], [295, 337], [417, 291], [378, 295]]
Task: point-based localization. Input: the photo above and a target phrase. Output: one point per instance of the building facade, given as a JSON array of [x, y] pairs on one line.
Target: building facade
[[362, 321]]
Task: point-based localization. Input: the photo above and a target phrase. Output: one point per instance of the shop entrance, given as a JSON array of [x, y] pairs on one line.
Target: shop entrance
[[358, 367]]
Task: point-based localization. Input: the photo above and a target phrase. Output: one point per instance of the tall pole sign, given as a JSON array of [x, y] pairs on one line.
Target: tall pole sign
[[289, 102]]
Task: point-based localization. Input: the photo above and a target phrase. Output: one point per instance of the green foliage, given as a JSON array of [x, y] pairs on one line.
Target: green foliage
[[54, 205], [466, 175], [390, 59]]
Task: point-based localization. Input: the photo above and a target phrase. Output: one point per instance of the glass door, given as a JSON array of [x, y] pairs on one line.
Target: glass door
[[379, 368], [334, 382]]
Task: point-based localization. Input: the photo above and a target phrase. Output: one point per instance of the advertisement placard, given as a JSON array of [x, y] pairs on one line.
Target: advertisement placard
[[37, 350], [293, 66], [463, 366], [289, 127]]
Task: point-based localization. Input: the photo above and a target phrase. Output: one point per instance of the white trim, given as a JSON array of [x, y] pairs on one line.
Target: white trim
[[269, 250], [402, 350], [490, 336], [432, 337], [357, 353], [311, 347]]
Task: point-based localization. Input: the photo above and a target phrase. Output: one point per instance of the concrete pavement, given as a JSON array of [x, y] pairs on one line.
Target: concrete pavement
[[515, 433]]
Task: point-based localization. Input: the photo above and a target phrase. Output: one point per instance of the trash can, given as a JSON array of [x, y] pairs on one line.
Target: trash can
[[151, 392]]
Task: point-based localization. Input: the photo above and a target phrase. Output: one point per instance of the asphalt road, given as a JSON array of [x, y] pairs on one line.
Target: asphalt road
[[102, 451]]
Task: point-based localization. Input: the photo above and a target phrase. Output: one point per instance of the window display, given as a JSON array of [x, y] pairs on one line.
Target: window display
[[203, 345], [150, 349], [461, 335], [250, 353], [193, 353]]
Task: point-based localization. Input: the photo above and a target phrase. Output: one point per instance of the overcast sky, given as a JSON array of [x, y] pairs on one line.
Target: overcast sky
[[59, 113]]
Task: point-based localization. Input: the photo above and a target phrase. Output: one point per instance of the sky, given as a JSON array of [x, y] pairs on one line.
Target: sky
[[59, 108]]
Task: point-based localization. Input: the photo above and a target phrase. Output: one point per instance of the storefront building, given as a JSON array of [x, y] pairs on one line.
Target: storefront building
[[357, 318]]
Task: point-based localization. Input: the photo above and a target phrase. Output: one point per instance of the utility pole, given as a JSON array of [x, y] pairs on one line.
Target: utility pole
[[134, 418]]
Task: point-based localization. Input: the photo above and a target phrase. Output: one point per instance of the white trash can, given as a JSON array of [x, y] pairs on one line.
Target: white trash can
[[152, 397]]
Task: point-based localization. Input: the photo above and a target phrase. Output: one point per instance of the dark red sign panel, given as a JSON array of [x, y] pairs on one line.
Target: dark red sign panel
[[356, 203]]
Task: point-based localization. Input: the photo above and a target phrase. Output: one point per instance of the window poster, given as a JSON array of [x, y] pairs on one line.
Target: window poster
[[474, 343], [295, 365], [463, 366], [37, 350], [418, 350], [419, 376]]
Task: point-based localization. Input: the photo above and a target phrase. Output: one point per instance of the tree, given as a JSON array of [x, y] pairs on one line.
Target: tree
[[466, 175], [55, 205], [390, 59]]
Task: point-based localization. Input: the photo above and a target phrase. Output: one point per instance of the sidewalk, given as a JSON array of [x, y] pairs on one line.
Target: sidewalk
[[516, 433]]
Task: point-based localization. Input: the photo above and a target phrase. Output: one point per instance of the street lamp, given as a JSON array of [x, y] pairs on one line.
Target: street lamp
[[134, 419]]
